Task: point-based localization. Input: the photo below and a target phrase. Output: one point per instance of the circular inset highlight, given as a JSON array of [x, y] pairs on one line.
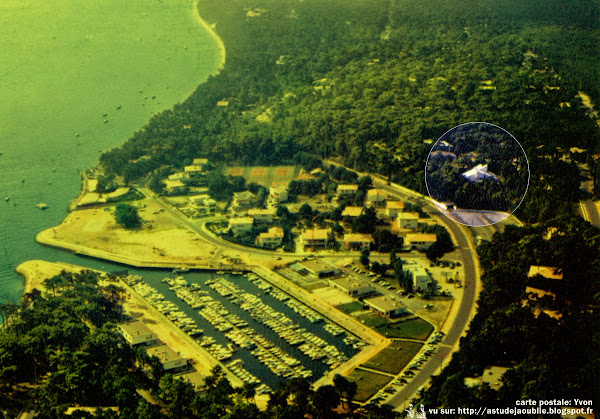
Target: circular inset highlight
[[477, 174]]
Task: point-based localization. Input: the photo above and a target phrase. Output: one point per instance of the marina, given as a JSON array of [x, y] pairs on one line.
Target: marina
[[263, 335]]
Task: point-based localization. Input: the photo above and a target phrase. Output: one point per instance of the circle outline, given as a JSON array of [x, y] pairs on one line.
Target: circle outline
[[526, 161]]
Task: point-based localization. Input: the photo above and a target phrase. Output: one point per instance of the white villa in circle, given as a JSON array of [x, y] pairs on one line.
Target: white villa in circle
[[479, 173]]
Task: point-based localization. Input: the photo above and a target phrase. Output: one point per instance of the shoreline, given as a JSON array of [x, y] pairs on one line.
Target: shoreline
[[213, 35], [35, 271]]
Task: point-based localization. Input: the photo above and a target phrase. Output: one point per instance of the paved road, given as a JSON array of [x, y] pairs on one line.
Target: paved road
[[467, 303], [465, 311]]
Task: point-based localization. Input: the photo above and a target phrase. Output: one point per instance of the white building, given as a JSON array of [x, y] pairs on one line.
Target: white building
[[168, 357], [346, 190], [376, 195], [137, 333], [420, 241], [203, 204], [479, 173], [243, 199], [279, 193], [421, 278], [408, 220], [315, 238], [351, 286], [241, 225], [262, 216], [393, 208], [386, 306], [272, 238]]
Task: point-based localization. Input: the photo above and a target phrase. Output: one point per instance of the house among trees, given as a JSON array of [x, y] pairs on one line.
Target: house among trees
[[420, 241], [262, 216], [316, 238], [356, 241], [492, 376], [409, 220], [279, 193], [393, 208], [174, 186], [243, 199], [193, 170], [375, 196], [200, 162], [352, 212], [385, 306], [137, 333], [272, 238], [479, 174], [347, 190], [203, 204], [547, 272], [241, 225], [170, 360]]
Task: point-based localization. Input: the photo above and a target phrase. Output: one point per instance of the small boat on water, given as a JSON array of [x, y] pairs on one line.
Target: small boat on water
[[42, 205], [7, 198]]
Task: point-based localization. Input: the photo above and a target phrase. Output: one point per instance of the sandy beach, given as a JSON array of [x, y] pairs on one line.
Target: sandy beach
[[34, 272], [211, 30]]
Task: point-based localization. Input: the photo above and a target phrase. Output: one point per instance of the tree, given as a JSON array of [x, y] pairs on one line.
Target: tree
[[127, 216], [364, 257], [326, 399], [156, 184]]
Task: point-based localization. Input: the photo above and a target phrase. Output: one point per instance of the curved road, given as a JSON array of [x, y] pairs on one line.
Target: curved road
[[465, 311], [467, 304]]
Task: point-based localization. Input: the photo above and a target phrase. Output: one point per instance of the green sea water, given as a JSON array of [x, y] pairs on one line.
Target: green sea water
[[78, 77]]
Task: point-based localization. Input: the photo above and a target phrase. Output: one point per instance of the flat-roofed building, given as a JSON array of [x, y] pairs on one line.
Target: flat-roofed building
[[351, 286], [137, 333], [203, 204], [357, 241], [386, 306], [316, 238], [177, 176], [409, 220], [347, 190], [393, 208], [241, 225], [272, 238], [169, 359], [548, 272], [420, 241], [174, 186], [279, 193], [262, 216], [200, 162], [352, 212], [376, 195], [536, 293], [318, 268], [420, 277], [243, 199], [193, 170]]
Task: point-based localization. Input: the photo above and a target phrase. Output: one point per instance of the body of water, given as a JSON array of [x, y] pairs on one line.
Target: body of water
[[79, 77]]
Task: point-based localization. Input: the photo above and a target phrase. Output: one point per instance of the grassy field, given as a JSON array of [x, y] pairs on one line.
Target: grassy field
[[350, 307], [411, 329], [393, 358], [374, 321], [368, 383]]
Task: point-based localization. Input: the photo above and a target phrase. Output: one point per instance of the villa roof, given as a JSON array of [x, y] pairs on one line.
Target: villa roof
[[352, 211], [545, 271]]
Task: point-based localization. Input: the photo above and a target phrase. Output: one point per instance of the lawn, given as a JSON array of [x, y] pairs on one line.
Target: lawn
[[368, 383], [393, 358], [373, 320], [350, 307], [411, 329]]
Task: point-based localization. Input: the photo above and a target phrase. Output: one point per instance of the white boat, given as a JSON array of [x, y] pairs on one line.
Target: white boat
[[42, 205]]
